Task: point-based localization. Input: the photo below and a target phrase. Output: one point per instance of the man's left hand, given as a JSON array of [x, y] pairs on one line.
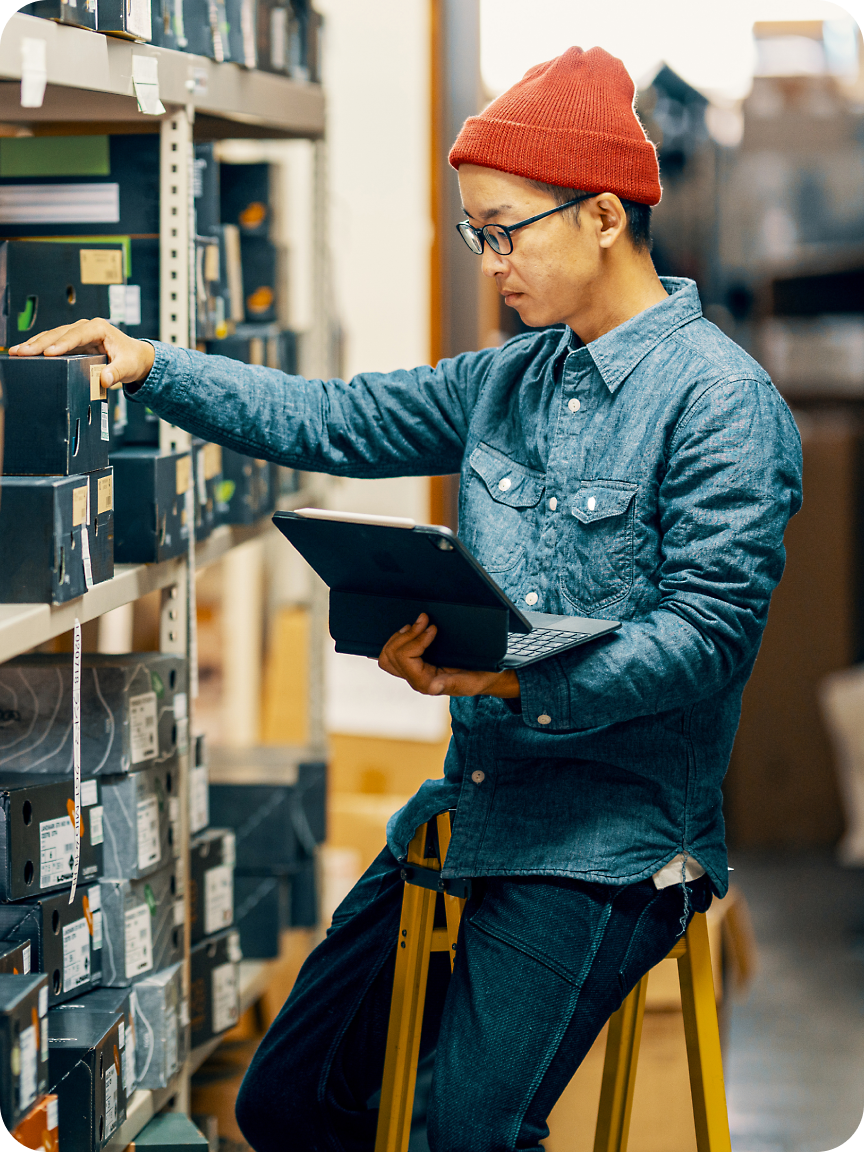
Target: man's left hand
[[402, 656]]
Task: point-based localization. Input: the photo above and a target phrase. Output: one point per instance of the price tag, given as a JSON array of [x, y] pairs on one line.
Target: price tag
[[85, 556]]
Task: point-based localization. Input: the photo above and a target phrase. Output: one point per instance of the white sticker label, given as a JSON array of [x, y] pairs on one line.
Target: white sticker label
[[89, 793], [43, 1032], [174, 817], [104, 426], [179, 913], [224, 997], [184, 1012], [181, 706], [139, 942], [122, 1041], [171, 1059], [149, 850], [133, 291], [199, 798], [25, 964], [27, 1081], [85, 555], [229, 849], [117, 303], [94, 895], [53, 1115], [110, 1096], [129, 1060], [143, 727], [76, 955], [218, 898], [97, 931], [234, 952], [43, 992], [56, 851], [96, 831]]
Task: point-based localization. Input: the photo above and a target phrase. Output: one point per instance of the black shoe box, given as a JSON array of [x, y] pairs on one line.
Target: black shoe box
[[66, 938], [262, 910], [23, 1045], [150, 504], [125, 19], [242, 16], [264, 344], [143, 925], [45, 285], [167, 25], [15, 958], [245, 198], [205, 26], [130, 425], [205, 186], [141, 813], [132, 706], [81, 15], [85, 1070], [214, 986], [247, 491], [119, 1002], [211, 882], [260, 261], [42, 519], [207, 478], [54, 415], [37, 834]]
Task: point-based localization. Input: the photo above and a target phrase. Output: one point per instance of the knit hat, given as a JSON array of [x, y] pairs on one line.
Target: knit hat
[[569, 122]]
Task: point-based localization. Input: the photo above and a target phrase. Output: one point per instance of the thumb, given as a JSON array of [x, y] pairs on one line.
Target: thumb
[[123, 364]]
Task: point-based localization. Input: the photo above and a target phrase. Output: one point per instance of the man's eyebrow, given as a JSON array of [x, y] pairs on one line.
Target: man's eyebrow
[[490, 212]]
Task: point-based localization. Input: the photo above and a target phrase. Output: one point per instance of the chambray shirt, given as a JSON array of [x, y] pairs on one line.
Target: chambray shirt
[[646, 477]]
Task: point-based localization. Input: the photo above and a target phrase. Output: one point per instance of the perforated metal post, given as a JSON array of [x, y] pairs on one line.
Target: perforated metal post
[[176, 248]]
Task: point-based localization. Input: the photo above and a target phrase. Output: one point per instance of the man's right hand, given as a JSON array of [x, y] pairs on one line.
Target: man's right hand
[[129, 360]]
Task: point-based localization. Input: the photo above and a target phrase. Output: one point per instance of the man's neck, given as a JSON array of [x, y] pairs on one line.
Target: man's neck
[[625, 289]]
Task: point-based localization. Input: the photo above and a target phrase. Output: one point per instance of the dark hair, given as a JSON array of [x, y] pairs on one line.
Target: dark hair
[[638, 215]]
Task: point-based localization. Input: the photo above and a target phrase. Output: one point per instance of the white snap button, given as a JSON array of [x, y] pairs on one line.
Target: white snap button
[[553, 504], [532, 598], [592, 503], [574, 405], [478, 777], [505, 484], [544, 719]]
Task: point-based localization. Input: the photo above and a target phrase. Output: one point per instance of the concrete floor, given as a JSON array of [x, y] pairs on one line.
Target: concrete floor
[[795, 1069]]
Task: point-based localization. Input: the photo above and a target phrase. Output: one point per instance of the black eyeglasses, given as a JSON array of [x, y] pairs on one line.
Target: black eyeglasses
[[498, 237]]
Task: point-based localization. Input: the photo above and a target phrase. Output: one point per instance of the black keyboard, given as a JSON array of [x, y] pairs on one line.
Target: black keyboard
[[540, 641]]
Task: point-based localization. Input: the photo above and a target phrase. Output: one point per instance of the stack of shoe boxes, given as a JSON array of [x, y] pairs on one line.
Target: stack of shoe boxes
[[216, 951]]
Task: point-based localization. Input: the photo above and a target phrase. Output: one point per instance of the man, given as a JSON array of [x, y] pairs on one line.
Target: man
[[634, 464]]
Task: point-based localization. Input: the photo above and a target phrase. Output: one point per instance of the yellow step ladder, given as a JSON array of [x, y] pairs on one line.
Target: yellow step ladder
[[418, 938]]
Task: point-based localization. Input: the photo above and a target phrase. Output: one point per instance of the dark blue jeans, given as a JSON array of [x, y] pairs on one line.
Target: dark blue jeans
[[542, 964]]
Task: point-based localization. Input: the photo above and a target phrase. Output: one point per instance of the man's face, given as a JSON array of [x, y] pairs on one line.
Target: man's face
[[553, 263]]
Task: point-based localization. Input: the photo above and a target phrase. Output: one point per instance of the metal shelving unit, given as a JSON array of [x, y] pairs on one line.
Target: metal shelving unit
[[203, 100]]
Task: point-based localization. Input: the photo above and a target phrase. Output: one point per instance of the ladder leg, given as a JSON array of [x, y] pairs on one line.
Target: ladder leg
[[406, 1011], [619, 1072], [453, 906], [703, 1040]]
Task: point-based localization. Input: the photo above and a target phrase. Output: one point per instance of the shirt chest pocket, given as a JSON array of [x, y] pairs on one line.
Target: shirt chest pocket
[[499, 521], [597, 568]]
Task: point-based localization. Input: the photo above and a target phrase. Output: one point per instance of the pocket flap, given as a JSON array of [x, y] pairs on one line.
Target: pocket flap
[[508, 483], [597, 501]]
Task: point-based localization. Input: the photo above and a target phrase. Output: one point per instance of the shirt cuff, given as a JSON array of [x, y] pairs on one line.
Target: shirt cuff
[[142, 390], [545, 696]]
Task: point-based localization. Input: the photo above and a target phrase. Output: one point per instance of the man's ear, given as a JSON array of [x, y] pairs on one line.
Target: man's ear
[[612, 218]]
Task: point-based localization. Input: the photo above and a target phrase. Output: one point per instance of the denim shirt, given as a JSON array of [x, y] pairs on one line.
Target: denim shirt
[[646, 477]]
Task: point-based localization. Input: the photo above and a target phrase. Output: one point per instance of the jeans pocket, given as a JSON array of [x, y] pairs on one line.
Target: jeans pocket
[[598, 546]]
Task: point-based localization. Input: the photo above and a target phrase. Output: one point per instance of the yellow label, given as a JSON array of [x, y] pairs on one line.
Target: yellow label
[[79, 506], [184, 472], [211, 262], [97, 392], [105, 494], [101, 266], [212, 461]]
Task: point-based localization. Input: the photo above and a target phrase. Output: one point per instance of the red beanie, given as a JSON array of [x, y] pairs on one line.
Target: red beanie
[[568, 122]]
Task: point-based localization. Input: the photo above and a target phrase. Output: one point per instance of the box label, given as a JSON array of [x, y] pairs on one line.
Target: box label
[[76, 955], [129, 1060], [43, 1032], [85, 556], [229, 849], [97, 931], [53, 1114], [79, 505], [174, 817], [199, 799], [179, 913], [110, 1099], [89, 793], [43, 995], [149, 849], [103, 427], [224, 997], [56, 851], [171, 1057], [25, 964], [27, 1080], [101, 266], [133, 296], [234, 952], [96, 830], [184, 473], [117, 303], [212, 461], [218, 898], [97, 392], [143, 727], [139, 941], [104, 494]]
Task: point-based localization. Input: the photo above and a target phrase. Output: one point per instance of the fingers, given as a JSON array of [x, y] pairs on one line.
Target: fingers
[[402, 655], [129, 360], [63, 340]]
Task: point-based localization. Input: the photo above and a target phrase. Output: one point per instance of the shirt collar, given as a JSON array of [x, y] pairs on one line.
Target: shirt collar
[[617, 353]]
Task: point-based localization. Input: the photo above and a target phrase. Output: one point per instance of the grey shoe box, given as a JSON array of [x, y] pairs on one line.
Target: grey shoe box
[[140, 814], [143, 926], [161, 1026]]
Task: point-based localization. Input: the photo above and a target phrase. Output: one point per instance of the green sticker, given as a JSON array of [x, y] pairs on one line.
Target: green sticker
[[224, 490], [150, 898], [158, 686]]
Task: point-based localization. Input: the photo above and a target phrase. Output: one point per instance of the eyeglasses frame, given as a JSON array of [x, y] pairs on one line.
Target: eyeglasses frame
[[484, 239]]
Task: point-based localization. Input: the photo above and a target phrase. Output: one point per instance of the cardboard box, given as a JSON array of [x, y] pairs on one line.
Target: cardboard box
[[38, 1129], [141, 820], [85, 1070], [54, 422], [23, 1045], [143, 925], [171, 1132], [262, 911], [132, 21], [37, 834], [120, 1002], [43, 520], [66, 939], [150, 505], [215, 1006], [15, 959], [211, 882], [133, 708], [207, 480], [162, 1026]]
